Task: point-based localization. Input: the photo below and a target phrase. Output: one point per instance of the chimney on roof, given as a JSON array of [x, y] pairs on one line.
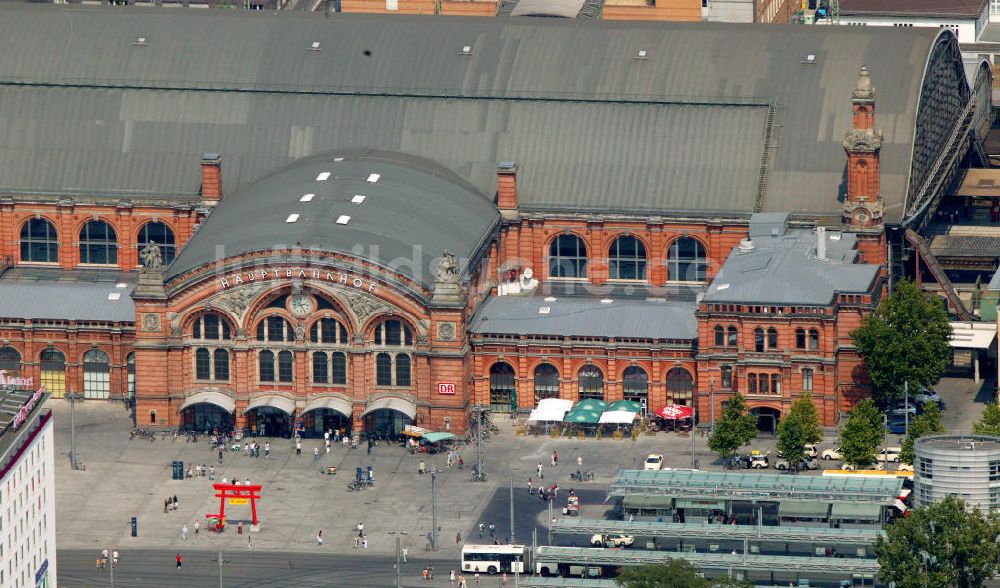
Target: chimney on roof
[[821, 243], [507, 186], [211, 177]]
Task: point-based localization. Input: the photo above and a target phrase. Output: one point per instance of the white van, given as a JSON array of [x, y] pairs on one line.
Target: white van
[[890, 454]]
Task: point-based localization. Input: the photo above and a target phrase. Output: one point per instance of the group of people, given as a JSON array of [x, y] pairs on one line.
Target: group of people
[[543, 492], [170, 504]]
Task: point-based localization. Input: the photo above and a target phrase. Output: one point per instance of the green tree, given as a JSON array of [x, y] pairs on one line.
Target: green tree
[[928, 423], [862, 434], [989, 421], [734, 429], [905, 339], [940, 545], [797, 429], [674, 573]]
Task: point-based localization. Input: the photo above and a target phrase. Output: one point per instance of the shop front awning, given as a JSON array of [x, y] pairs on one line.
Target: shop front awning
[[391, 403], [209, 397], [437, 436], [332, 403], [280, 402], [550, 409], [972, 335], [856, 512], [804, 508]]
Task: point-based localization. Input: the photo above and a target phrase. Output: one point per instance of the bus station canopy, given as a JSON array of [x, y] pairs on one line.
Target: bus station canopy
[[575, 526], [755, 487]]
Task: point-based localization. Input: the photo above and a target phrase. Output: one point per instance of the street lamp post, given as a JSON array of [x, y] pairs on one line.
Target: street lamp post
[[220, 569], [112, 560], [711, 403], [434, 517], [512, 509], [397, 533], [73, 398]]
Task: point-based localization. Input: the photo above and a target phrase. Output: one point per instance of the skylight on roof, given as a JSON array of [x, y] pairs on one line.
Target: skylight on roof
[[121, 285], [640, 54], [292, 217], [307, 197], [811, 58], [338, 159], [343, 219], [114, 295], [323, 176], [141, 41], [467, 50], [544, 310], [606, 300], [315, 46], [722, 286], [550, 298], [359, 199], [373, 178]]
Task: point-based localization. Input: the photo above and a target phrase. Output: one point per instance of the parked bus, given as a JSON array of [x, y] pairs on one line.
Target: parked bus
[[493, 559]]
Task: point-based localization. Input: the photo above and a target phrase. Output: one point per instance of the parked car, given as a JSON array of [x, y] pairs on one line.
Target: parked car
[[904, 467], [901, 409], [805, 464], [890, 454], [616, 540], [654, 461], [831, 454], [811, 451], [851, 467], [897, 425], [927, 395], [756, 460]]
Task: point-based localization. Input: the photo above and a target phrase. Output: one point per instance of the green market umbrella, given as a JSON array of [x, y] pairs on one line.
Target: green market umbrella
[[625, 406], [591, 404], [437, 437], [582, 416]]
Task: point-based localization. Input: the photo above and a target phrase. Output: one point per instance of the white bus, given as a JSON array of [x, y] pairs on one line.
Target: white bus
[[493, 559]]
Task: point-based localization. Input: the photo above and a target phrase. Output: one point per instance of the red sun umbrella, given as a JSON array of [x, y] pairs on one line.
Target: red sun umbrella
[[673, 412]]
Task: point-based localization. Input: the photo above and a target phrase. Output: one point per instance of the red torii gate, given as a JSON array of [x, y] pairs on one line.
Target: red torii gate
[[235, 491]]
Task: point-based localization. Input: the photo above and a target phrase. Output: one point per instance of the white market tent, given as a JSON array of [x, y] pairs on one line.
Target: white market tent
[[617, 417], [550, 409]]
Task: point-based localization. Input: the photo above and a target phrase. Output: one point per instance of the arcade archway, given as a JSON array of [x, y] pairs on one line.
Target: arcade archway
[[207, 411], [326, 414], [270, 416], [767, 418], [388, 416]]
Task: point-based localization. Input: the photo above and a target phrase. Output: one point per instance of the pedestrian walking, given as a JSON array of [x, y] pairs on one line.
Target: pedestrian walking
[[430, 572], [539, 469], [204, 470], [176, 504], [179, 561], [247, 483], [221, 458], [482, 528], [166, 505], [421, 468], [327, 442], [364, 543], [184, 532], [357, 542], [529, 486], [555, 458], [361, 529], [211, 472], [477, 578], [267, 450], [451, 577], [315, 454], [579, 461], [319, 537], [249, 542], [298, 447], [493, 530], [458, 537], [404, 553], [197, 527]]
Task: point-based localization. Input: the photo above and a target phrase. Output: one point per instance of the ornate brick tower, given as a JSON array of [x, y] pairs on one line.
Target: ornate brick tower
[[863, 206]]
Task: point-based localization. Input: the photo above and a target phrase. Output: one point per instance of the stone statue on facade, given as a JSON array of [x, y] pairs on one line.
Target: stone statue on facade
[[152, 260], [447, 269]]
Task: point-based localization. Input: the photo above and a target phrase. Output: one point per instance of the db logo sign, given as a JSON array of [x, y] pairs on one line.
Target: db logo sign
[[446, 387]]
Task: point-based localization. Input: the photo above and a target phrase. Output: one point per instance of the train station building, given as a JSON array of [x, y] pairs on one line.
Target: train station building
[[366, 222]]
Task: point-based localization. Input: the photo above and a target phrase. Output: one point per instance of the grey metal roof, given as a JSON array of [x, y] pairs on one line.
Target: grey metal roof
[[591, 125], [410, 215], [80, 301], [965, 246], [586, 317], [785, 270]]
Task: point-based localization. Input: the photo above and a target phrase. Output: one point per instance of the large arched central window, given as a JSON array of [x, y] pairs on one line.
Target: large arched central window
[[686, 261], [96, 374], [591, 382], [159, 233], [211, 326], [679, 386], [53, 371], [635, 384], [627, 259], [329, 366], [39, 242], [546, 381], [393, 367], [98, 243], [568, 257], [503, 388], [275, 329]]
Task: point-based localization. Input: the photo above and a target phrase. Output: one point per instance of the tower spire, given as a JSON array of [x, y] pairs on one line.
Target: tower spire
[[863, 204]]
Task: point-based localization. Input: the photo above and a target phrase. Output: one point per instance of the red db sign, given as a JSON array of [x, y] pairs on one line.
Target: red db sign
[[446, 387]]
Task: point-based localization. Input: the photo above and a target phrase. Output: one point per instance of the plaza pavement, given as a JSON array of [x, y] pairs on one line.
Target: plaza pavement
[[125, 478]]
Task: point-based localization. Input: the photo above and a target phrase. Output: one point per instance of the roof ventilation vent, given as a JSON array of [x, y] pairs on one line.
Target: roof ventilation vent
[[292, 217], [315, 46], [641, 54], [544, 310], [359, 199], [307, 197], [810, 59], [140, 42], [323, 176], [466, 50], [606, 300], [746, 246], [550, 298], [722, 287], [373, 178], [114, 295], [343, 219], [121, 285], [338, 159]]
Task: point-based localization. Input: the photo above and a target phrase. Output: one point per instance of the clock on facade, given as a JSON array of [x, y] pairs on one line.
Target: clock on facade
[[301, 305], [862, 216]]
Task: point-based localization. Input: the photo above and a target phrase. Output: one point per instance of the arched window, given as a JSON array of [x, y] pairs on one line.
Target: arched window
[[627, 259], [813, 339], [328, 330], [807, 379], [275, 329], [330, 368], [393, 332], [266, 365], [732, 339], [53, 371], [758, 339], [159, 233], [393, 368], [800, 338], [130, 364], [720, 336], [39, 242], [96, 374], [568, 257], [503, 389], [220, 363], [772, 338], [679, 386], [727, 377], [591, 382], [686, 261], [211, 326], [285, 366], [10, 362], [98, 243], [202, 364], [546, 381], [635, 383]]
